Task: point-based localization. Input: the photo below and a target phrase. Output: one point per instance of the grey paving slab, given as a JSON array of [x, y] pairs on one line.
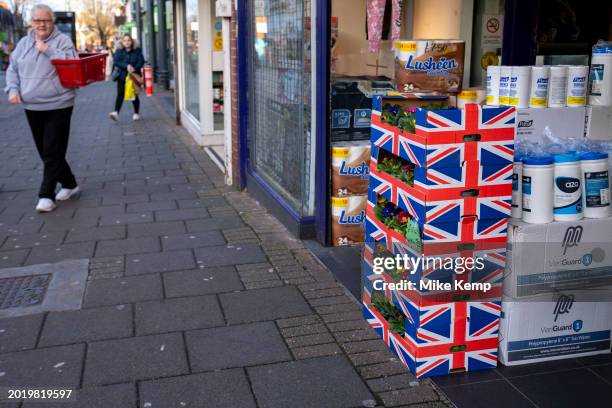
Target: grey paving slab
[[110, 210], [263, 304], [202, 202], [132, 218], [156, 229], [183, 214], [160, 262], [192, 240], [24, 227], [178, 315], [202, 281], [96, 234], [54, 366], [87, 325], [33, 240], [127, 246], [19, 333], [9, 259], [222, 389], [117, 291], [214, 223], [173, 195], [151, 206], [65, 225], [234, 254], [64, 291], [136, 358], [57, 253], [319, 382], [110, 199], [110, 396], [236, 346]]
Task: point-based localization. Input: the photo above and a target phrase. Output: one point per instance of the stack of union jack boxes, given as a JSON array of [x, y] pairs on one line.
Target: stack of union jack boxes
[[461, 201]]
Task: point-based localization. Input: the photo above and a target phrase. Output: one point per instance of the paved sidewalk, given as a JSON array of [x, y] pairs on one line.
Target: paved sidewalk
[[195, 297]]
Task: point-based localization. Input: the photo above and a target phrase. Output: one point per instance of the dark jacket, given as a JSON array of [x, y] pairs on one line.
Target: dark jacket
[[123, 58]]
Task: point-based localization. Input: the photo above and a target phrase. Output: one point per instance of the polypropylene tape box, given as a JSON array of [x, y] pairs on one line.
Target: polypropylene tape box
[[543, 258], [563, 122], [561, 328]]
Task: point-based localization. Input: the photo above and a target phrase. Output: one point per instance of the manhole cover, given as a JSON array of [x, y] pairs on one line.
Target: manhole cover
[[23, 291]]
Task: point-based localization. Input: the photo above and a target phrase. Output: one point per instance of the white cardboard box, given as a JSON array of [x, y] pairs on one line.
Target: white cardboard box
[[564, 122], [598, 124], [544, 258], [531, 332]]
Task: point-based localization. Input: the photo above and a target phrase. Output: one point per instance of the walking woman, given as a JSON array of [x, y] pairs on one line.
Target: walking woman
[[32, 80], [128, 59]]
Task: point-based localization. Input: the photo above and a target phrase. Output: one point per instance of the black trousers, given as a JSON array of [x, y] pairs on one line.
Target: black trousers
[[51, 130], [120, 96]]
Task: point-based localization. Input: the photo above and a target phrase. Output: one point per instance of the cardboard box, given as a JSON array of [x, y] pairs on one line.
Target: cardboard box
[[543, 258], [456, 337], [490, 270], [532, 332], [598, 125], [447, 137], [564, 122]]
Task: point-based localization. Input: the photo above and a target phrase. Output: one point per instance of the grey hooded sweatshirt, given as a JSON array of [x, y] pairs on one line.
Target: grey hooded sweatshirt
[[32, 75]]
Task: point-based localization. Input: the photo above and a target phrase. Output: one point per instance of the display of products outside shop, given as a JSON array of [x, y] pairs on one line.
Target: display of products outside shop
[[444, 183]]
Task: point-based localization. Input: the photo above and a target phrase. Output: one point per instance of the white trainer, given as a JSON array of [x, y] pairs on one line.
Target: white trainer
[[65, 193], [136, 117], [114, 116], [45, 205]]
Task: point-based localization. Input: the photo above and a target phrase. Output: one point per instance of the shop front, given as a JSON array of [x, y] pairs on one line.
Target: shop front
[[202, 72], [294, 81]]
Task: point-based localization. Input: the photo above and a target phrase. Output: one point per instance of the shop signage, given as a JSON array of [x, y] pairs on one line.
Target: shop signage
[[492, 30]]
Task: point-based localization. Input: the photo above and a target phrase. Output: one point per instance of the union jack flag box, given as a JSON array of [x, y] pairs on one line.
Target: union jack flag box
[[490, 270], [452, 337], [450, 183], [435, 238], [444, 206], [450, 137]]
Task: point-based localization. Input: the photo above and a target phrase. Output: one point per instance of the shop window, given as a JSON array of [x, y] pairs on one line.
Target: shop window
[[280, 106], [192, 94]]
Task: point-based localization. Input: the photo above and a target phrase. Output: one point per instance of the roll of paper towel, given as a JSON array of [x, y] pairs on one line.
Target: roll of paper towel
[[600, 85]]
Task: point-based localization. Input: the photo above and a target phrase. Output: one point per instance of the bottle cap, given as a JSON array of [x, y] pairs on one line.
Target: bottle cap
[[593, 156], [538, 160], [566, 158]]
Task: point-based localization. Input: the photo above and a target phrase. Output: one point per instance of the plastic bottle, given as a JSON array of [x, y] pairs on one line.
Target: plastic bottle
[[517, 188], [519, 86], [504, 85], [538, 91], [576, 85], [493, 72], [596, 190], [557, 86], [538, 189], [567, 188], [600, 83]]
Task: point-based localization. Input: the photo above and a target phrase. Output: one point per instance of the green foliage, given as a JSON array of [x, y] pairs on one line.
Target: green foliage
[[405, 119], [390, 312], [397, 167]]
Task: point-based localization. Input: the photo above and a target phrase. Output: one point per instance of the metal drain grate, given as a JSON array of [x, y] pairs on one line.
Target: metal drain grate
[[23, 291]]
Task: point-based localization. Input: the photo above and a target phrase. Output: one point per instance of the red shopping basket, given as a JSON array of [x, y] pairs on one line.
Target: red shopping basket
[[73, 73]]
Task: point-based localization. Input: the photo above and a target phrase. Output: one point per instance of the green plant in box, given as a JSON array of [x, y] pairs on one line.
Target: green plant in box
[[390, 312]]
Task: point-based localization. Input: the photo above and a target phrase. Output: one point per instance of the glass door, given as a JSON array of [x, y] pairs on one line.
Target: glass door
[[190, 62]]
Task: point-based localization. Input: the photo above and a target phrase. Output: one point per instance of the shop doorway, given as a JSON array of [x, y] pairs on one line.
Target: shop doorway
[[203, 79]]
